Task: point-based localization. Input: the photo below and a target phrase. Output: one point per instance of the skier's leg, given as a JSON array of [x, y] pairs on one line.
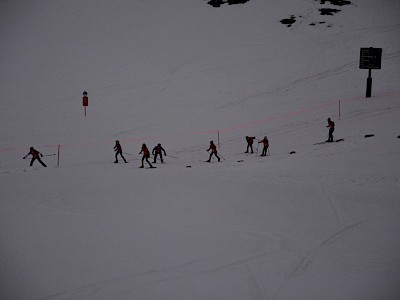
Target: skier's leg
[[147, 159], [142, 161], [116, 157], [43, 164], [32, 160]]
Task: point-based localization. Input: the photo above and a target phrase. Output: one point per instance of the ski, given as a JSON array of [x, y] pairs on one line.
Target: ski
[[320, 143], [327, 142], [208, 161]]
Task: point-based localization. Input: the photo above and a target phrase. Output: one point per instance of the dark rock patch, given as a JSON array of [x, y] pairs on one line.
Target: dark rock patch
[[218, 3], [313, 23], [289, 22], [231, 2], [324, 11], [328, 11], [336, 2]]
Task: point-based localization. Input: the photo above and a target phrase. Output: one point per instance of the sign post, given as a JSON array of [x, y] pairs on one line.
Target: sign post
[[58, 156], [85, 101], [370, 58]]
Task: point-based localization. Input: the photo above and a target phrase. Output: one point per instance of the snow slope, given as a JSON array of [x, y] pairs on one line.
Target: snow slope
[[318, 224]]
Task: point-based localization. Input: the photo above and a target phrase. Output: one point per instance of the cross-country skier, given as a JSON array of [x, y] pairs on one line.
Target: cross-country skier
[[214, 151], [331, 126], [146, 155], [265, 145], [157, 150], [35, 156], [250, 140], [118, 150]]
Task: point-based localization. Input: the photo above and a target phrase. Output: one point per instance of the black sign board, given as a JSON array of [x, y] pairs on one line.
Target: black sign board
[[370, 58]]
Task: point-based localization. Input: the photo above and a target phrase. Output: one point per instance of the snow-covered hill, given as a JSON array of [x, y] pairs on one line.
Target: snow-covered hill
[[321, 223]]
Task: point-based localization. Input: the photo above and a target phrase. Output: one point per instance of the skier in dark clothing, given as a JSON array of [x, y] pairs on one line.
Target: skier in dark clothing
[[331, 126], [250, 140], [36, 155], [157, 150], [214, 151], [146, 155], [265, 145], [118, 150]]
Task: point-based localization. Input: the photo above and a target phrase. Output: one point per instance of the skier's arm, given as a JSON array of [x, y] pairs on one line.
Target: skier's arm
[[30, 152]]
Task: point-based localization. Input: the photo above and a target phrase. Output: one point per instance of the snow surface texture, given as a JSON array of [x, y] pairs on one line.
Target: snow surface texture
[[322, 223]]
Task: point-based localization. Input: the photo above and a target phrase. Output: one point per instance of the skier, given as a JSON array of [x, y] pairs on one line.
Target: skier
[[331, 126], [146, 155], [157, 150], [35, 155], [118, 150], [213, 149], [250, 140], [265, 145]]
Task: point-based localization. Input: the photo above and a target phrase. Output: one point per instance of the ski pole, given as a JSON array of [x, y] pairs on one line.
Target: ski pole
[[171, 156], [49, 154], [127, 153], [221, 156]]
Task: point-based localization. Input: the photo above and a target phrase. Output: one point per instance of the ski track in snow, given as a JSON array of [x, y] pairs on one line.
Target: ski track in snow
[[331, 201], [154, 277], [307, 258]]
